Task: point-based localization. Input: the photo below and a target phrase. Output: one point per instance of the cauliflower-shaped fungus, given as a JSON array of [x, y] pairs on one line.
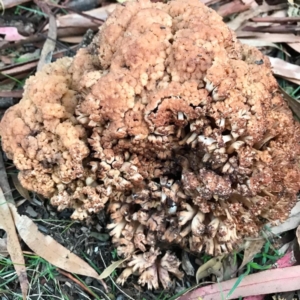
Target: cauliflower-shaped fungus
[[169, 123]]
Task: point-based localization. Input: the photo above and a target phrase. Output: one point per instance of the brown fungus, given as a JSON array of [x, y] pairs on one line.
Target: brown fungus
[[168, 123]]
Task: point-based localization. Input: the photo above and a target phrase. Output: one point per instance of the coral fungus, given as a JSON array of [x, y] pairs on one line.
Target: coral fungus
[[169, 123]]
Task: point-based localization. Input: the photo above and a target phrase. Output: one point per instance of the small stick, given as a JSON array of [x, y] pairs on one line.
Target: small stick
[[77, 282], [276, 20]]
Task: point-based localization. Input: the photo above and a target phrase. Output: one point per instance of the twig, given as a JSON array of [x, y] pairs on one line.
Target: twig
[[78, 282], [276, 20], [49, 46], [12, 94], [22, 67], [232, 8], [93, 19], [274, 29], [113, 280], [4, 182]]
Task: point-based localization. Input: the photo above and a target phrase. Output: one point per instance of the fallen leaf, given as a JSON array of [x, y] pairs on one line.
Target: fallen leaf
[[293, 103], [287, 260], [258, 297], [213, 266], [230, 267], [261, 43], [284, 68], [47, 248], [295, 46], [243, 17], [292, 222], [4, 182], [19, 68], [75, 20], [186, 264], [283, 249], [266, 282], [298, 234], [251, 249], [291, 80], [269, 37], [13, 245], [11, 34], [107, 272], [71, 39], [3, 247], [11, 3], [232, 8], [23, 192]]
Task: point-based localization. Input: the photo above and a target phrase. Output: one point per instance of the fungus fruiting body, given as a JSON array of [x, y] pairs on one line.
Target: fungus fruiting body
[[169, 123]]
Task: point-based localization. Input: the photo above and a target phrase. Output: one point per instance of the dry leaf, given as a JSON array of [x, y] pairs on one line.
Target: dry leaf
[[292, 222], [230, 267], [23, 192], [186, 264], [291, 80], [251, 249], [261, 43], [11, 3], [5, 188], [283, 68], [213, 266], [47, 248], [269, 37], [295, 46], [71, 39], [13, 245], [75, 20], [266, 282], [232, 8], [293, 103], [107, 272], [243, 17], [287, 260], [3, 247], [298, 234]]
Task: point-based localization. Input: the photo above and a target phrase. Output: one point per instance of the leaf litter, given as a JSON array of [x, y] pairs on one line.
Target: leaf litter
[[13, 245]]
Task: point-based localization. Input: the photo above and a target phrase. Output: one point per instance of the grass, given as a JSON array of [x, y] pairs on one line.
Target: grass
[[262, 261], [37, 11], [20, 82], [42, 277]]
